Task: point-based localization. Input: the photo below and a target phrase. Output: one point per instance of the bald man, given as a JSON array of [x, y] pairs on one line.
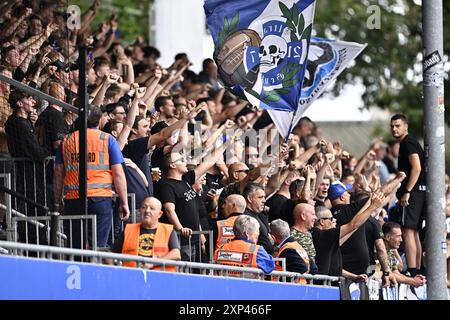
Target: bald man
[[237, 171], [233, 206], [238, 177], [150, 238]]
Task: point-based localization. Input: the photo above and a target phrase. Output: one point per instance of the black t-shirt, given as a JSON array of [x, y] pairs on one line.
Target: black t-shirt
[[328, 255], [373, 233], [53, 127], [390, 165], [146, 241], [263, 239], [180, 193], [275, 203], [137, 151], [355, 254], [22, 141], [409, 146], [287, 211], [29, 175], [205, 220], [156, 160], [19, 75], [157, 157]]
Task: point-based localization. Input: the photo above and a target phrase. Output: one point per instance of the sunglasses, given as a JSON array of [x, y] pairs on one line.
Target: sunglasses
[[244, 170]]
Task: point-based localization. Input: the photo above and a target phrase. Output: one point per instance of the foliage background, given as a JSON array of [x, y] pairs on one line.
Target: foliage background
[[132, 16]]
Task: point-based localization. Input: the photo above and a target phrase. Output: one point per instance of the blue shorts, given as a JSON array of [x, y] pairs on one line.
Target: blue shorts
[[102, 208]]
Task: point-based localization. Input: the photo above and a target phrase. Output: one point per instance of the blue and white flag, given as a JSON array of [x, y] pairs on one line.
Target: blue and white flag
[[326, 60], [261, 48]]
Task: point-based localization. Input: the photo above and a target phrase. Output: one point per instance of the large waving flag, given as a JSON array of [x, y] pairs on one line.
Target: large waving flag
[[261, 48], [326, 60]]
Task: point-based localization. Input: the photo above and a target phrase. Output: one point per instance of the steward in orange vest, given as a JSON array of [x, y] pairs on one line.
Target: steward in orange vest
[[233, 206], [104, 168], [296, 258], [149, 238], [243, 251], [99, 174], [225, 230]]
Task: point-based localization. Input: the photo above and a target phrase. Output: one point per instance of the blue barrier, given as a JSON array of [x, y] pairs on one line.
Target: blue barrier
[[25, 278]]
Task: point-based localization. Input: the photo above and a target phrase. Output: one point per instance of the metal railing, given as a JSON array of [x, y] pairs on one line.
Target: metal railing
[[37, 93], [116, 220], [26, 181], [182, 266], [209, 248], [8, 206], [64, 229]]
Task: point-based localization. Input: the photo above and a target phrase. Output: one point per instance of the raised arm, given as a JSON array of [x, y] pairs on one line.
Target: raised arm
[[392, 185], [361, 217], [210, 160], [107, 82], [13, 26], [131, 117], [229, 113], [167, 132], [305, 156], [217, 133]]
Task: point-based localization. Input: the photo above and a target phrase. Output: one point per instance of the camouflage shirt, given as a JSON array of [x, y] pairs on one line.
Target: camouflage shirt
[[306, 241], [392, 260]]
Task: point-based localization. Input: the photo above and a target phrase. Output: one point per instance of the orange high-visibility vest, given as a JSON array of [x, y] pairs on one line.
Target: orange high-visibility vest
[[237, 253], [99, 174], [160, 244], [225, 231], [302, 252]]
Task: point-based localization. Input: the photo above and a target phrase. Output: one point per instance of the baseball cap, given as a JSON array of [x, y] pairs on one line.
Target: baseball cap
[[337, 189]]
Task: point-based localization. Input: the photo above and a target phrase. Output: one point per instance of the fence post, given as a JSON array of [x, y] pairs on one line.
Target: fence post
[[54, 227], [82, 115], [10, 231]]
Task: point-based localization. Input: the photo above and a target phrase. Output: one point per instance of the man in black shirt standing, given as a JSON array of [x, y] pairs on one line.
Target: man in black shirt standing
[[411, 194], [179, 199], [355, 254], [275, 203], [328, 238], [51, 128], [29, 175], [256, 198]]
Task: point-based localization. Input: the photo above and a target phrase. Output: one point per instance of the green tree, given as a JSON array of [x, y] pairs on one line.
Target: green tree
[[132, 16], [390, 67]]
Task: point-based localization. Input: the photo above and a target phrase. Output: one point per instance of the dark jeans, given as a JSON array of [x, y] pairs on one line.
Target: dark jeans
[[102, 208]]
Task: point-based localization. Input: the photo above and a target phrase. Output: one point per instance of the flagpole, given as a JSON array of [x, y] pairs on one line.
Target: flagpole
[[290, 127]]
